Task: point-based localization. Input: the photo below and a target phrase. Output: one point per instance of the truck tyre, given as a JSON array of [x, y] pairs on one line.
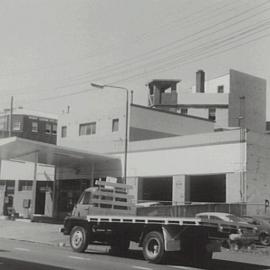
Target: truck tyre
[[79, 239], [153, 247]]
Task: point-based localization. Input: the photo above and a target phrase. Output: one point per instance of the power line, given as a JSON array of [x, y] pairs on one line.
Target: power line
[[115, 68], [174, 56], [158, 51], [74, 84], [99, 51], [195, 60], [196, 51]]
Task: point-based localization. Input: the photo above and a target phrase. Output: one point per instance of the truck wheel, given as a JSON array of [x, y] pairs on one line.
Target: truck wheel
[[264, 239], [153, 247], [79, 238]]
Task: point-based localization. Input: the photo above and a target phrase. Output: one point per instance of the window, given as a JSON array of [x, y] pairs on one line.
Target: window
[[212, 114], [184, 110], [220, 89], [54, 129], [115, 125], [215, 218], [25, 185], [202, 216], [87, 129], [48, 128], [64, 132], [86, 198], [34, 126], [16, 125]]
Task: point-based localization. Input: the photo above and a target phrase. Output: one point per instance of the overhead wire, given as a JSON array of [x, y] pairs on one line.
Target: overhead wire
[[203, 56], [174, 45], [100, 51], [116, 66], [173, 56], [72, 81], [136, 74], [169, 68], [70, 84]]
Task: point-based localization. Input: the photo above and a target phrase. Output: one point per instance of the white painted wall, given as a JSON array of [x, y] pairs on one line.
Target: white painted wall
[[233, 187], [222, 116], [203, 98], [100, 106], [209, 159], [199, 112], [179, 189], [19, 170], [211, 85]]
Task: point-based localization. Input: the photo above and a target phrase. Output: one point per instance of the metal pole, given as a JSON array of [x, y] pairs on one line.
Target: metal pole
[[10, 118], [127, 122], [34, 186], [242, 146], [126, 138], [55, 193]]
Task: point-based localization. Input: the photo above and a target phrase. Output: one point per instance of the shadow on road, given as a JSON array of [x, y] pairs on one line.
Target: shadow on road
[[175, 260], [12, 264], [229, 265]]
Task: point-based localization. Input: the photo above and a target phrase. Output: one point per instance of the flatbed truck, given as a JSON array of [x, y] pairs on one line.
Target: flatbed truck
[[98, 219]]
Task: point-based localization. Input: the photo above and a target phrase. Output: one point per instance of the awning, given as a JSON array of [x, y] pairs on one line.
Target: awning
[[23, 149]]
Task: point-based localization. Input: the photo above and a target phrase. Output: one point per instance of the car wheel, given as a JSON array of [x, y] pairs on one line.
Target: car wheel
[[153, 247], [264, 239], [79, 239]]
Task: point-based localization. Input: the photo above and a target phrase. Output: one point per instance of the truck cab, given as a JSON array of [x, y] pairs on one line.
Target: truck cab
[[102, 200]]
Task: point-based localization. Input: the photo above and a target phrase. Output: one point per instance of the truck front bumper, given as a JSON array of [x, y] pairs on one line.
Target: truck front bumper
[[63, 230]]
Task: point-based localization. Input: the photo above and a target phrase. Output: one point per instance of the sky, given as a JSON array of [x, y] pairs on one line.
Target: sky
[[51, 50]]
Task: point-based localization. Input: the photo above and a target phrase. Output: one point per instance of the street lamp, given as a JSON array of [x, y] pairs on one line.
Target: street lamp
[[101, 86]]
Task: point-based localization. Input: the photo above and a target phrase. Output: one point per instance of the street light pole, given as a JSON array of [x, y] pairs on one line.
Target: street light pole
[[101, 86]]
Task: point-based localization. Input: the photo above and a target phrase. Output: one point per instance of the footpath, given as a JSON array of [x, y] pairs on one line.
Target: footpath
[[49, 234], [25, 230]]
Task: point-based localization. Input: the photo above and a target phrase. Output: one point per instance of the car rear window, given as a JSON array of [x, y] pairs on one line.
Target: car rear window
[[203, 216], [215, 218]]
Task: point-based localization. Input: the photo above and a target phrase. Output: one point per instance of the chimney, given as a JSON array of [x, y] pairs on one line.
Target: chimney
[[200, 79]]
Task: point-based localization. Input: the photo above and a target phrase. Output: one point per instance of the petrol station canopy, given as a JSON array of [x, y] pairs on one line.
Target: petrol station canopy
[[62, 156]]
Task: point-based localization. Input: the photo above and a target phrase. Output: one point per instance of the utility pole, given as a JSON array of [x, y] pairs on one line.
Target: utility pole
[[242, 126], [101, 86], [10, 118]]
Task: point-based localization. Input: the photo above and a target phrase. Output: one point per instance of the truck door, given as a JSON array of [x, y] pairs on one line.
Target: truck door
[[81, 209]]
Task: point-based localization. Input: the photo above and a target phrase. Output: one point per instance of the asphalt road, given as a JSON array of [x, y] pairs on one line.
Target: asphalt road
[[20, 255]]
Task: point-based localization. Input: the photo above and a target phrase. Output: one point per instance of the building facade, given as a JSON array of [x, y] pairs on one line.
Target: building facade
[[173, 158], [29, 125], [232, 100], [176, 158], [16, 184]]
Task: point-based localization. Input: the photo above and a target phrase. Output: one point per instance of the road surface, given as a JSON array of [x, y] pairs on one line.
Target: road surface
[[21, 255]]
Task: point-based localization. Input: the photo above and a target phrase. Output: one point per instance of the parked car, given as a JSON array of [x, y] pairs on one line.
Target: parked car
[[239, 239], [263, 226], [220, 216]]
